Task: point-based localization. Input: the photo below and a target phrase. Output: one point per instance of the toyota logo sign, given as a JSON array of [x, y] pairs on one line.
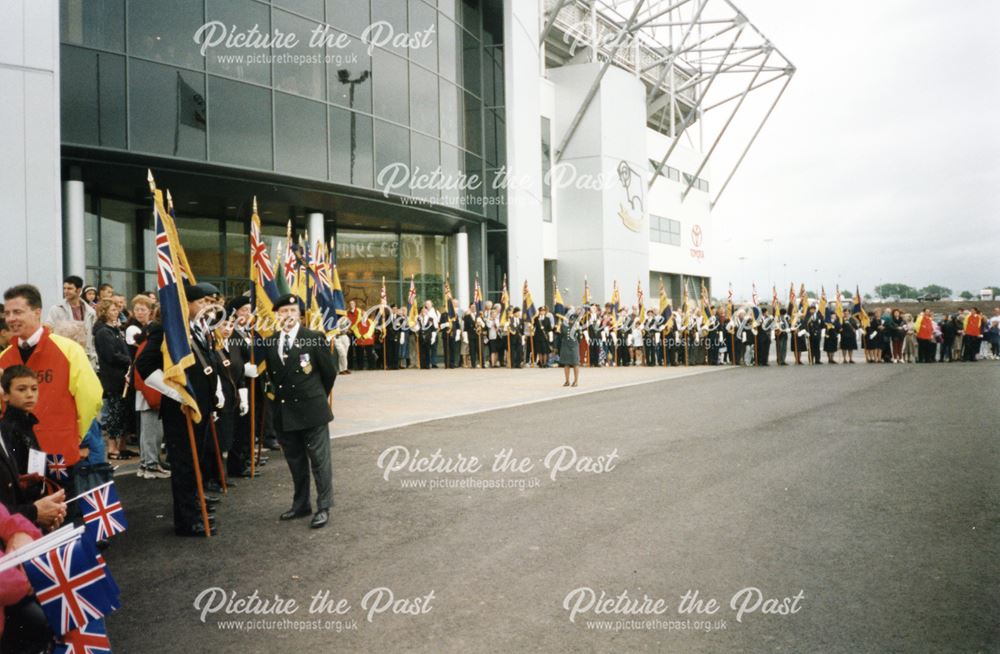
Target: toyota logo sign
[[696, 236]]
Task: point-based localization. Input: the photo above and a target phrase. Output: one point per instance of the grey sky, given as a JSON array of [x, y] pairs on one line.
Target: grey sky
[[881, 163]]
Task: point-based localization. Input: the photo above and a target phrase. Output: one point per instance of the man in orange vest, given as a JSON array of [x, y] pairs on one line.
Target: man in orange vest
[[924, 329], [69, 394], [973, 335]]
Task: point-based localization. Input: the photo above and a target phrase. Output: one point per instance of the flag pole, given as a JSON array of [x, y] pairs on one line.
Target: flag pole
[[218, 456], [197, 473]]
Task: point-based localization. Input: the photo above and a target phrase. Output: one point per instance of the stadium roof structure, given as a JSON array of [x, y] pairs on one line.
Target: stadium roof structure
[[696, 58]]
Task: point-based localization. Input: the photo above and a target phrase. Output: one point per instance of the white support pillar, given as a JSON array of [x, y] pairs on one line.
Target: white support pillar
[[314, 223], [462, 269], [73, 230]]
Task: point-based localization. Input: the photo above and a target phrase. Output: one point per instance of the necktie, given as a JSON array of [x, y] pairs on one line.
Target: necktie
[[283, 350]]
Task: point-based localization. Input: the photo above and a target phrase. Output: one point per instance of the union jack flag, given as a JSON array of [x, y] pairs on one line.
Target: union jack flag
[[102, 512], [55, 465], [258, 252], [91, 638], [70, 584]]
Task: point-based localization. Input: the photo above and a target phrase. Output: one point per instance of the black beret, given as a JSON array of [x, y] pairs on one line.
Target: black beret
[[237, 303], [195, 292], [287, 300]]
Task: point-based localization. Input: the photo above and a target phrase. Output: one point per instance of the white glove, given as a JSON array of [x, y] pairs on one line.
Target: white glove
[[220, 399], [155, 381], [244, 401], [250, 370], [433, 338]]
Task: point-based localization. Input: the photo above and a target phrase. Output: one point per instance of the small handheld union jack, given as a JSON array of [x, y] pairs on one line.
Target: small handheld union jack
[[56, 468], [103, 515], [91, 638], [70, 585]]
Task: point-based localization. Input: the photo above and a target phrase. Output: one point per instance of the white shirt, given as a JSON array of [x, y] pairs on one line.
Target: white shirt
[[32, 340], [286, 340]]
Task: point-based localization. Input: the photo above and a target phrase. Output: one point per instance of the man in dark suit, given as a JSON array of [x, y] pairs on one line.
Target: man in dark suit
[[301, 372]]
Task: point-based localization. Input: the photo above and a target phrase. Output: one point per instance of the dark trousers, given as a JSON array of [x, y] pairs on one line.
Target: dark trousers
[[224, 427], [763, 349], [925, 350], [473, 349], [26, 631], [187, 510], [781, 348], [309, 450], [970, 347], [516, 351], [946, 348], [816, 343], [238, 458], [425, 352]]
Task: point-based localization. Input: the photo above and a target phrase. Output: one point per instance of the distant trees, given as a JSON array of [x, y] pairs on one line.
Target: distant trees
[[903, 291], [934, 289], [965, 295]]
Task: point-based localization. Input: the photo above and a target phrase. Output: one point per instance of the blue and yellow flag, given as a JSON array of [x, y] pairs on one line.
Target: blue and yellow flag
[[176, 349], [821, 309], [477, 296], [664, 300], [858, 311], [449, 301], [504, 302], [336, 291], [263, 288], [558, 308], [527, 304], [838, 306]]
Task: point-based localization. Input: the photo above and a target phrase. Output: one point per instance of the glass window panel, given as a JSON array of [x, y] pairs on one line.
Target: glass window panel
[[471, 75], [392, 12], [237, 249], [451, 167], [424, 257], [94, 23], [348, 15], [165, 31], [350, 147], [449, 36], [493, 76], [546, 168], [125, 283], [470, 16], [92, 97], [240, 122], [391, 86], [495, 135], [423, 25], [310, 8], [449, 8], [300, 131], [90, 223], [307, 76], [424, 100], [493, 23], [473, 124], [118, 241], [452, 121], [200, 240], [167, 110], [391, 147], [244, 15], [424, 153], [366, 256], [350, 74]]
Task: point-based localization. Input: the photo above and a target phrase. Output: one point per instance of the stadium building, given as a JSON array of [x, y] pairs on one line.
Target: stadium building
[[532, 140]]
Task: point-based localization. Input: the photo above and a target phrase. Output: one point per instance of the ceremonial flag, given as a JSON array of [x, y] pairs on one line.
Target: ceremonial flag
[[792, 311], [803, 301], [754, 305], [706, 303], [187, 276], [263, 286], [336, 291], [91, 638], [558, 308], [616, 301], [291, 261], [685, 305], [586, 290], [477, 296], [821, 309], [527, 304], [70, 584], [664, 300], [103, 515], [775, 302], [279, 278], [858, 311], [56, 468], [449, 301], [838, 305], [412, 304], [641, 297], [177, 354], [504, 302], [729, 303]]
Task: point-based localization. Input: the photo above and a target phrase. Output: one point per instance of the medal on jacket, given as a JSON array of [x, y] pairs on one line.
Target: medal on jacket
[[304, 363]]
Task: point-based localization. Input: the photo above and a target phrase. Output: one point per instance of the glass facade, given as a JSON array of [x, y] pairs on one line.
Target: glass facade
[[332, 108]]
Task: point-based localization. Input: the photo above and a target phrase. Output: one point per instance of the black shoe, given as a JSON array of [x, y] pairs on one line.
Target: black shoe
[[292, 514], [320, 519], [195, 530]]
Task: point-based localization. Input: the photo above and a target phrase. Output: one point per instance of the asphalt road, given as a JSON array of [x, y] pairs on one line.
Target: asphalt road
[[870, 493]]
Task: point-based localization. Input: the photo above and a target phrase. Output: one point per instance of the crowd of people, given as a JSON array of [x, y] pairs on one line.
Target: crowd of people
[[716, 335]]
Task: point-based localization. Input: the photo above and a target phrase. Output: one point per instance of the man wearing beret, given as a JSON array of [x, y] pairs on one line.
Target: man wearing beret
[[301, 372]]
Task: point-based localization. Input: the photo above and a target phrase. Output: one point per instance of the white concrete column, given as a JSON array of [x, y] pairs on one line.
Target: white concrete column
[[314, 223], [73, 229], [462, 269]]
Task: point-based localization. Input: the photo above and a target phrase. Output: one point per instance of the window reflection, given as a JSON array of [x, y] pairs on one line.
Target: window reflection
[[350, 147], [244, 15], [297, 147], [391, 84], [391, 147], [349, 74], [305, 76], [167, 110], [94, 23], [240, 123], [165, 31]]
